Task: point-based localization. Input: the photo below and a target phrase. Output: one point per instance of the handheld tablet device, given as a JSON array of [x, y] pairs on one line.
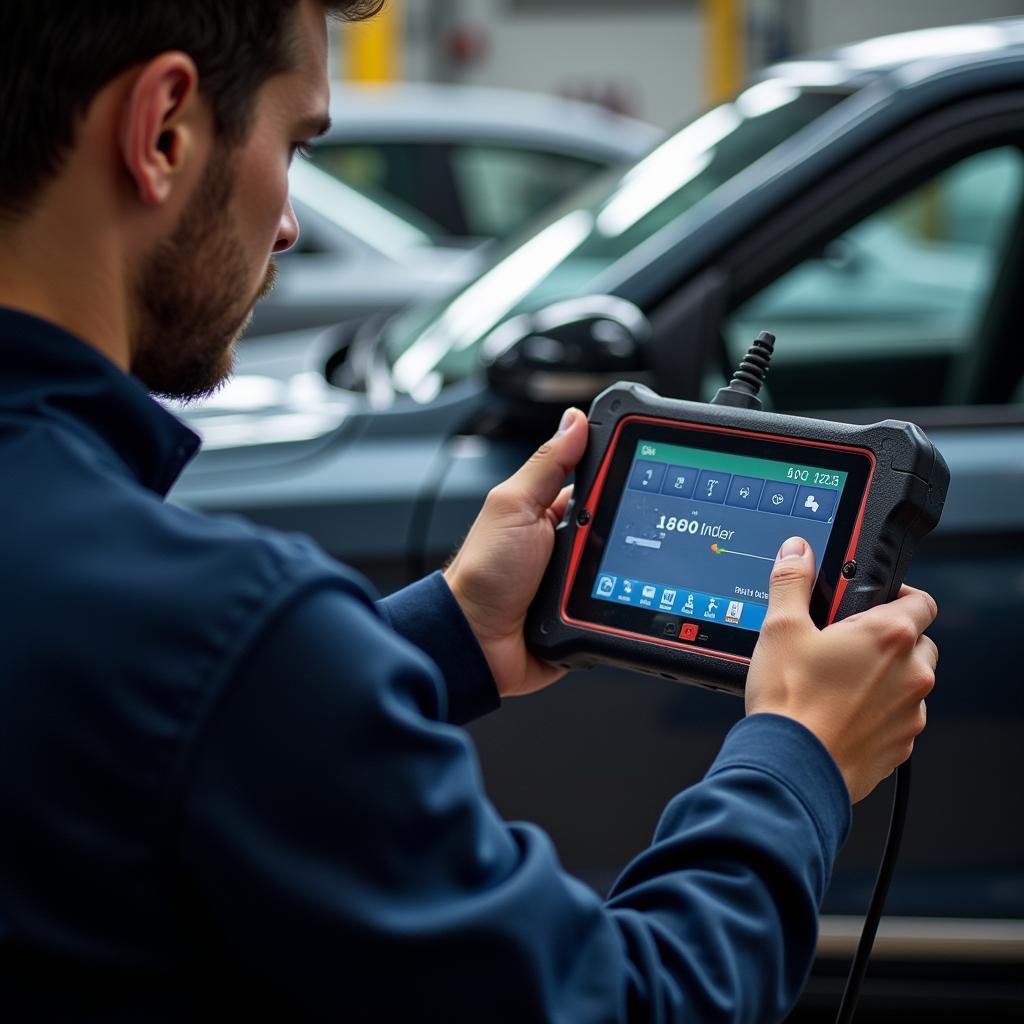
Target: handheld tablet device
[[663, 561]]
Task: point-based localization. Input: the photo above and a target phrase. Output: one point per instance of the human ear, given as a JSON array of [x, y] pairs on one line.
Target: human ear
[[160, 123]]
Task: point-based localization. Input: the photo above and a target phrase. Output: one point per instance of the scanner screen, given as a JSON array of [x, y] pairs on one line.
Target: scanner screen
[[696, 532]]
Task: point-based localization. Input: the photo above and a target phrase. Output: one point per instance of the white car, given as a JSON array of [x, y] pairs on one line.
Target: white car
[[395, 202]]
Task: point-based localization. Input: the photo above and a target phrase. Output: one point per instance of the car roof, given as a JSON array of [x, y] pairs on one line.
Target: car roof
[[427, 111], [919, 52]]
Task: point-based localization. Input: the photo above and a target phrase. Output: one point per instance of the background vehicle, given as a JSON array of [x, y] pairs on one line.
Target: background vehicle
[[867, 206], [411, 178]]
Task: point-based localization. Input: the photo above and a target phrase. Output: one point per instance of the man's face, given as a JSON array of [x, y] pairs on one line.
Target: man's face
[[196, 290]]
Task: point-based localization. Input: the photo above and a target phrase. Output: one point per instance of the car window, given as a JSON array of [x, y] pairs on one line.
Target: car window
[[591, 233], [402, 176], [886, 313], [503, 187]]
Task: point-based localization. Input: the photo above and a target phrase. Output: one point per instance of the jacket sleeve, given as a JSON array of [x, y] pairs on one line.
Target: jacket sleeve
[[335, 827], [428, 616]]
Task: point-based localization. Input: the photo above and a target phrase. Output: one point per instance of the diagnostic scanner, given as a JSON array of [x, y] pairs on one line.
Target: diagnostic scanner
[[663, 560]]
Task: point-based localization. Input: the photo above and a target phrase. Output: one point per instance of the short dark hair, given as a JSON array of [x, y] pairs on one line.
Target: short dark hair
[[56, 56]]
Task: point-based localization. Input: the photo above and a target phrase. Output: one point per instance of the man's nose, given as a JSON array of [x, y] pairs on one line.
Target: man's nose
[[288, 229]]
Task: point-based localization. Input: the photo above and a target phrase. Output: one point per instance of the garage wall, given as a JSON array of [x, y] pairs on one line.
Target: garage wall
[[648, 54]]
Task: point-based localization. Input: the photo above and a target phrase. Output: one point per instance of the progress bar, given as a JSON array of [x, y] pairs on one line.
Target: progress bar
[[743, 554]]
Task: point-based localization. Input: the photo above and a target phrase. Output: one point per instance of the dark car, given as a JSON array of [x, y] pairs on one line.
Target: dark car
[[867, 206]]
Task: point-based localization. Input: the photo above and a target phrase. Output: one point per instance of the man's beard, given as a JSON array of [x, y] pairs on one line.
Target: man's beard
[[190, 307]]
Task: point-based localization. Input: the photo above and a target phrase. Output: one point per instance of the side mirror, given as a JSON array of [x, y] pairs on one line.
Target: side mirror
[[568, 352]]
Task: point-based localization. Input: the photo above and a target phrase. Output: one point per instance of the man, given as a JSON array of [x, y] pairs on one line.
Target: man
[[227, 784]]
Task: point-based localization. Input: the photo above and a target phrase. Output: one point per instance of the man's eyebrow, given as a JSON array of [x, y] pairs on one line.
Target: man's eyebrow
[[315, 126]]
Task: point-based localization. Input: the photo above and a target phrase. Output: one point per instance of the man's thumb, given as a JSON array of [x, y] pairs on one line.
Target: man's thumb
[[542, 477], [789, 591]]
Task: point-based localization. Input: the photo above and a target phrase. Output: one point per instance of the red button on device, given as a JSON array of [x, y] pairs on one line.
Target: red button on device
[[688, 631]]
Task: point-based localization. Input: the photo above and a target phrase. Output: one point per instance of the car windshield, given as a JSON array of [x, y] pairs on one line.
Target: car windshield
[[429, 347]]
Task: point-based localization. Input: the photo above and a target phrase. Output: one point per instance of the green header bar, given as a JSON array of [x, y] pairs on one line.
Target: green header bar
[[741, 465]]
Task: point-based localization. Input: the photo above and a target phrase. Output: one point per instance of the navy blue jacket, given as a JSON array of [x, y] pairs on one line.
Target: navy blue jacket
[[231, 783]]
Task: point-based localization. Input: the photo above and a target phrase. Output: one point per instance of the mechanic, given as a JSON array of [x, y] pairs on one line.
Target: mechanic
[[230, 781]]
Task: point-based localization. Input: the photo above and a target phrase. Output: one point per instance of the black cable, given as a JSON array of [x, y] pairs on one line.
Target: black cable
[[743, 389], [851, 994]]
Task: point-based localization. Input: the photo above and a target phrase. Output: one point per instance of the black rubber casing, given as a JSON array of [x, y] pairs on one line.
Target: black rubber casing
[[904, 500]]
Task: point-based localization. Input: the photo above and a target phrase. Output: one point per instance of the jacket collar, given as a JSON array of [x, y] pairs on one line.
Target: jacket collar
[[51, 373]]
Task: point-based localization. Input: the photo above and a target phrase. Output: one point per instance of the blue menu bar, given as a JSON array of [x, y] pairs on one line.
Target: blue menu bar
[[679, 601]]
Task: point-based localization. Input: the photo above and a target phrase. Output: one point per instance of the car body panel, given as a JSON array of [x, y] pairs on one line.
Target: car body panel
[[411, 110]]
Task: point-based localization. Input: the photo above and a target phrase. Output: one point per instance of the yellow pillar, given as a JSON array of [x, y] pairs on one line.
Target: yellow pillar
[[370, 49], [723, 21]]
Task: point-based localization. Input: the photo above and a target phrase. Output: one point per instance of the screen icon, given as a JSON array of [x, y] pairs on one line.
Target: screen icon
[[679, 481], [778, 498], [712, 486], [649, 592], [688, 607], [816, 503], [711, 612], [647, 476], [668, 597], [734, 611], [627, 586], [605, 586], [745, 492]]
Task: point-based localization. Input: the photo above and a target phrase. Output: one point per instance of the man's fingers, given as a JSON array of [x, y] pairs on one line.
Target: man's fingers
[[541, 478], [918, 605], [557, 511], [928, 651], [789, 590]]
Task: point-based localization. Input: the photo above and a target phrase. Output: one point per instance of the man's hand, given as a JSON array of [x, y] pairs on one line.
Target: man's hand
[[495, 575], [859, 685]]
